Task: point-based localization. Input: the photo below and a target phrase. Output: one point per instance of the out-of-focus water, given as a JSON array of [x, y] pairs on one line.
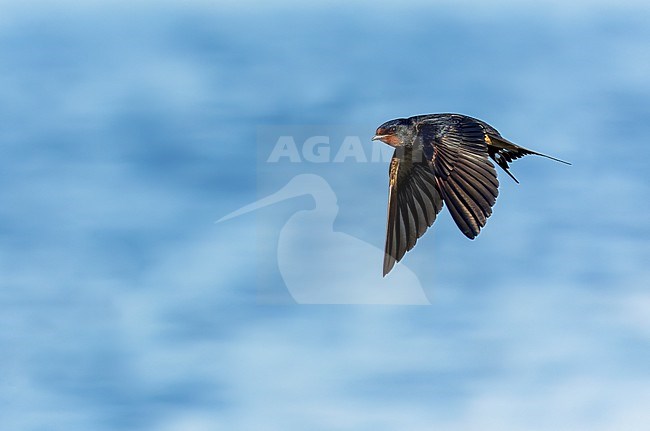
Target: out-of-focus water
[[127, 130]]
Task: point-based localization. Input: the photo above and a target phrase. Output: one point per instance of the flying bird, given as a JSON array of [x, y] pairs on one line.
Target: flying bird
[[442, 159]]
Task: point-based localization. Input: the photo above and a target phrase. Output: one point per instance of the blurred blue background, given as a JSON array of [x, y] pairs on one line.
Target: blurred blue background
[[127, 129]]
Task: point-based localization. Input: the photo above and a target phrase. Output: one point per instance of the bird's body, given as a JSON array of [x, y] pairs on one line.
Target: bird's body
[[441, 159]]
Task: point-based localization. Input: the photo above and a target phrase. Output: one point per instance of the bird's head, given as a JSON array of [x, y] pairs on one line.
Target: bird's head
[[395, 133]]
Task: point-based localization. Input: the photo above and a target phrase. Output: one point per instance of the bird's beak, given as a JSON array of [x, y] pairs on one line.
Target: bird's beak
[[391, 140]]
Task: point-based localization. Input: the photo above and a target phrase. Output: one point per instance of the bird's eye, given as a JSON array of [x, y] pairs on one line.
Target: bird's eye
[[392, 129]]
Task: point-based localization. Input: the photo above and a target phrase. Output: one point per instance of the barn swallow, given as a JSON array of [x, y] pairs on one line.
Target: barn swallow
[[442, 159]]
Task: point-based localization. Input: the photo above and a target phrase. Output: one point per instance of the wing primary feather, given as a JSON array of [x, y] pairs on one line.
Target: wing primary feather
[[424, 211], [430, 198], [409, 221], [472, 189], [456, 213], [480, 174], [464, 207], [474, 211]]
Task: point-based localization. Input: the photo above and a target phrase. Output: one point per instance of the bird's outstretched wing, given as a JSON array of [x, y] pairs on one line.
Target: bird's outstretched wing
[[414, 200], [464, 174]]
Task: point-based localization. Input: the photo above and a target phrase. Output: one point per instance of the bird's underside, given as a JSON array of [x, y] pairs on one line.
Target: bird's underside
[[447, 163]]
